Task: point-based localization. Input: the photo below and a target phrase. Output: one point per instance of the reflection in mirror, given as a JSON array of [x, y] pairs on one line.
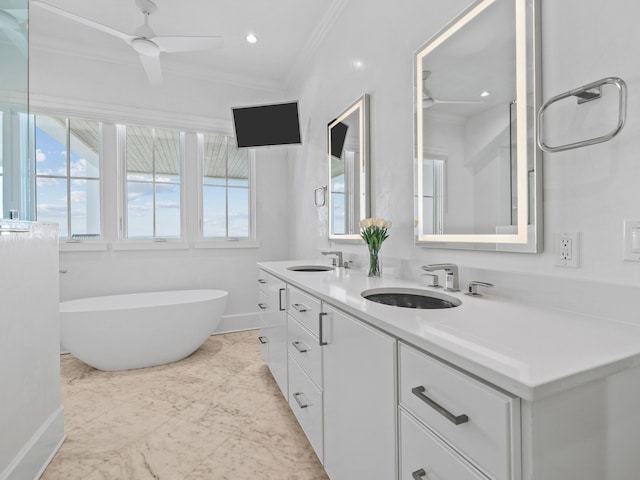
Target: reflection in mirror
[[477, 174], [348, 149], [14, 122]]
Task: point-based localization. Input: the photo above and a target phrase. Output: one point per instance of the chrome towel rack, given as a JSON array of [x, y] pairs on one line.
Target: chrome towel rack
[[586, 93]]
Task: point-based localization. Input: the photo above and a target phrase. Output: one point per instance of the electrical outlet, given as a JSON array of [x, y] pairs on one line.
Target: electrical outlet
[[567, 248]]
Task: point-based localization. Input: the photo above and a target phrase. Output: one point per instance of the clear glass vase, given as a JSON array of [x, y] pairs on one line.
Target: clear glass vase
[[374, 263]]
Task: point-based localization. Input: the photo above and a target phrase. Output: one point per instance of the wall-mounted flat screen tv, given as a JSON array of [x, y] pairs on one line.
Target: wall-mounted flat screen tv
[[338, 136], [262, 125]]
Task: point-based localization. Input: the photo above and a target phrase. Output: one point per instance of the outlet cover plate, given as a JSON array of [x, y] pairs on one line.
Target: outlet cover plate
[[631, 241], [567, 249]]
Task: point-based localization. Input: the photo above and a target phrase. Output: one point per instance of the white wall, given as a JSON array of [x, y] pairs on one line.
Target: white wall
[[590, 190], [31, 418], [72, 85]]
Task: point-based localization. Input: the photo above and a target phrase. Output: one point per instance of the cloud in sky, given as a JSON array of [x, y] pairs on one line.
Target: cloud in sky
[[40, 156], [79, 168], [52, 210], [46, 182], [167, 204], [78, 196]]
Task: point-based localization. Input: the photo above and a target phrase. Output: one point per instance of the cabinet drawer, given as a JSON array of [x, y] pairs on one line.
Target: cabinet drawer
[[423, 456], [304, 308], [304, 348], [487, 431], [263, 280], [306, 402]]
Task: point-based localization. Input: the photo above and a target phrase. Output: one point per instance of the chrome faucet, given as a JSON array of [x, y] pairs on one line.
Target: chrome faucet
[[451, 270], [337, 254]]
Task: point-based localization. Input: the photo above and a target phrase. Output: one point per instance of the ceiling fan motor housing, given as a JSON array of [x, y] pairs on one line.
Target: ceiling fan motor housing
[[145, 47]]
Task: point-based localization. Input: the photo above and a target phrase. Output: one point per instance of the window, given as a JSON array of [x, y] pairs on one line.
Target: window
[[226, 188], [153, 182], [433, 193], [68, 175]]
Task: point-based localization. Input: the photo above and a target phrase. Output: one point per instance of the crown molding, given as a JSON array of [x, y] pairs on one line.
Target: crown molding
[[123, 114], [315, 40]]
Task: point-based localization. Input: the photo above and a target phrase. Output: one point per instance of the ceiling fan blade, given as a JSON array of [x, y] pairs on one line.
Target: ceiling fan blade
[[83, 20], [151, 65], [186, 44]]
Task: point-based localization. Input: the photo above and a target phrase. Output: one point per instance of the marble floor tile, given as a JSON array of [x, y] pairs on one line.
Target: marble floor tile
[[217, 414], [244, 458]]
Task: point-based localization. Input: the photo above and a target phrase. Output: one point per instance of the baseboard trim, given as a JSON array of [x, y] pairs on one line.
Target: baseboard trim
[[238, 323], [34, 457]]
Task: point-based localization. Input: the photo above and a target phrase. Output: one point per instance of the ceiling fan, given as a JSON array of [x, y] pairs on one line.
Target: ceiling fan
[[144, 41], [428, 100]]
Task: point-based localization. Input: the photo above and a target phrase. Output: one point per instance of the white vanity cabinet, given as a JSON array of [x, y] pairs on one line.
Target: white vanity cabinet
[[490, 390], [273, 334], [359, 374], [342, 376]]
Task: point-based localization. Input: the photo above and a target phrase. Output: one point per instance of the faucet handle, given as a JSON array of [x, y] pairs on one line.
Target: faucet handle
[[473, 288], [434, 279]]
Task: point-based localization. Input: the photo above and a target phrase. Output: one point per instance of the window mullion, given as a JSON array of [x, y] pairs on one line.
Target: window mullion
[[68, 141], [153, 177], [226, 184]]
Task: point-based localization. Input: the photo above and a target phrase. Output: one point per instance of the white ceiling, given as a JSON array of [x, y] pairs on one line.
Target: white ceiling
[[287, 31]]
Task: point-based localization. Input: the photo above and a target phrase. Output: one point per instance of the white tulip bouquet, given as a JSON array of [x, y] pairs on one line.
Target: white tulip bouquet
[[374, 231]]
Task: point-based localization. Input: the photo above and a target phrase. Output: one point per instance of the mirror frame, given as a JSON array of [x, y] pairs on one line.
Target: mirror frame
[[528, 238], [361, 105]]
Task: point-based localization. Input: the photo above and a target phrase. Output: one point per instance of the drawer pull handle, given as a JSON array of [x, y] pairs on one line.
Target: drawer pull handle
[[263, 340], [280, 307], [262, 280], [300, 403], [320, 329], [263, 306], [301, 349], [300, 307], [455, 419], [419, 474]]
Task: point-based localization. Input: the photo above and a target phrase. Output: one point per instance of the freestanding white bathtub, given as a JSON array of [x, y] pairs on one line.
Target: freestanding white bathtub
[[123, 332]]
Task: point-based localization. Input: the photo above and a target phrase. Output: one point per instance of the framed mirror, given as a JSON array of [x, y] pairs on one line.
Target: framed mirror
[[348, 149], [477, 172]]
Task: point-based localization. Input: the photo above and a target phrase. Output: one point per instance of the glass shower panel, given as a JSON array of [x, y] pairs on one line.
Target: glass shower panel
[[15, 167]]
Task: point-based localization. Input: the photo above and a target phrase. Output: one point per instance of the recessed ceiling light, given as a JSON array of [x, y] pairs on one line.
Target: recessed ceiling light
[[251, 38], [486, 93], [357, 64]]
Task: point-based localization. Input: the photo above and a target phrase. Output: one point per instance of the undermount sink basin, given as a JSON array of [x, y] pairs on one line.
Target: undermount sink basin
[[311, 268], [411, 298]]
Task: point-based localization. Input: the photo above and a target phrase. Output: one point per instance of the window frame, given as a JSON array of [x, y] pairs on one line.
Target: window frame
[[69, 243], [201, 241], [162, 243]]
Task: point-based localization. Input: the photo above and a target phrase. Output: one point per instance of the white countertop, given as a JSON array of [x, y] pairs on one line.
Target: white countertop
[[527, 351]]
